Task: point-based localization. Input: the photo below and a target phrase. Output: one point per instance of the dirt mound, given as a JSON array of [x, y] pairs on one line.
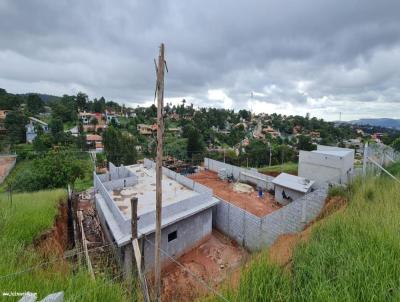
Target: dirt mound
[[281, 252], [212, 261]]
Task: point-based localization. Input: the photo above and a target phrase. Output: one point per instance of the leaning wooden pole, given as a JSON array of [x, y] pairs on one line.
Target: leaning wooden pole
[[160, 130]]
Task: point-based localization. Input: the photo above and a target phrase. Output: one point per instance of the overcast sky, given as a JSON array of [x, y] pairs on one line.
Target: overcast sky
[[321, 57]]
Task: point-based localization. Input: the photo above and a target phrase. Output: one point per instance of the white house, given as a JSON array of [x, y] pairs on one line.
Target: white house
[[290, 187], [31, 128], [327, 164]]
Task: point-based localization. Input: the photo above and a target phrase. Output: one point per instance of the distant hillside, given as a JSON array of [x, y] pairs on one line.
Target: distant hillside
[[380, 122], [47, 98]]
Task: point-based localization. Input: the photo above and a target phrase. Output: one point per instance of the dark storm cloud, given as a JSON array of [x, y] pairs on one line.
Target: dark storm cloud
[[296, 56]]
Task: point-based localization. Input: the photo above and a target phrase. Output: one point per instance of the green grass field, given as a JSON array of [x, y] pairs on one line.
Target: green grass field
[[352, 255], [290, 168], [20, 224]]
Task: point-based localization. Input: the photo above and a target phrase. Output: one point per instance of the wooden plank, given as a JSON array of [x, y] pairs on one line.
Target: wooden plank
[[84, 242], [143, 282]]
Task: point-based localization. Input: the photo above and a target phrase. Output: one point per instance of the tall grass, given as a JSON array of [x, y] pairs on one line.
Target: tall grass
[[352, 255], [20, 223], [288, 167]]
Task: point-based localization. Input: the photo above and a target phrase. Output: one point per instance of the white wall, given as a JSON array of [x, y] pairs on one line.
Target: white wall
[[325, 168]]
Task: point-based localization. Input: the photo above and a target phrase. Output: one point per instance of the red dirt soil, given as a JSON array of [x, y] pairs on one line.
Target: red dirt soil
[[5, 164], [55, 241], [247, 201], [212, 261]]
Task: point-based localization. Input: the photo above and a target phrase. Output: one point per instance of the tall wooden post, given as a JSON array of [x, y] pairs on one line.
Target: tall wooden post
[[160, 130], [134, 229]]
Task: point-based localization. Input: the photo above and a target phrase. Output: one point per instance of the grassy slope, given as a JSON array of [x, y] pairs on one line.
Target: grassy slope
[[351, 256], [32, 213], [287, 168]]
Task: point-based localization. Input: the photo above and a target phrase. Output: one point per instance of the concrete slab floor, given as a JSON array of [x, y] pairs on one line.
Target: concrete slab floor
[[145, 191]]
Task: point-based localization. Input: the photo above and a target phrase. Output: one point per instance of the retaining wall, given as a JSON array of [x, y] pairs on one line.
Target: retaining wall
[[254, 232]]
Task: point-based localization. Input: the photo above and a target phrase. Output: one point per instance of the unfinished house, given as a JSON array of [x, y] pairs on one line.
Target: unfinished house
[[248, 210], [327, 165], [186, 212], [290, 187]]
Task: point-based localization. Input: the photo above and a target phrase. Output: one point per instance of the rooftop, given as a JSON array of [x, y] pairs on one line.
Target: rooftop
[[33, 119], [295, 183], [93, 137], [145, 191]]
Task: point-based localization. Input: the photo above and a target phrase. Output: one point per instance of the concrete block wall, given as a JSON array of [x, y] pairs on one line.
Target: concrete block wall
[[123, 223], [255, 232], [183, 180], [189, 232], [242, 174], [121, 183]]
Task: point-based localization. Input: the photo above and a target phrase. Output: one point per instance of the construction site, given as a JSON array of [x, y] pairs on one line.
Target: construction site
[[243, 195], [212, 219]]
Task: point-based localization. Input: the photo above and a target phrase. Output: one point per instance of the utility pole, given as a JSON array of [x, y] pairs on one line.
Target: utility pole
[[160, 132], [270, 154]]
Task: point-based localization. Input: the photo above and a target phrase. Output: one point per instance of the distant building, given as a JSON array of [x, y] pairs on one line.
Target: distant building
[[327, 164], [315, 134], [3, 115], [145, 129], [176, 131], [271, 131], [354, 143], [94, 142], [32, 127], [297, 129], [86, 117], [110, 116], [74, 131], [377, 137], [290, 187]]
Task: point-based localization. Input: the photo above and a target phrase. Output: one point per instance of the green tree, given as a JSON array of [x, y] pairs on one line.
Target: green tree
[[34, 104], [54, 170], [304, 143], [81, 101], [15, 125], [396, 144], [43, 142], [9, 101], [94, 122], [119, 148], [195, 144], [56, 127]]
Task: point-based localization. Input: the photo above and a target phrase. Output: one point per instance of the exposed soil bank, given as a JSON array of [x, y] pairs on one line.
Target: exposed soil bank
[[55, 241]]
